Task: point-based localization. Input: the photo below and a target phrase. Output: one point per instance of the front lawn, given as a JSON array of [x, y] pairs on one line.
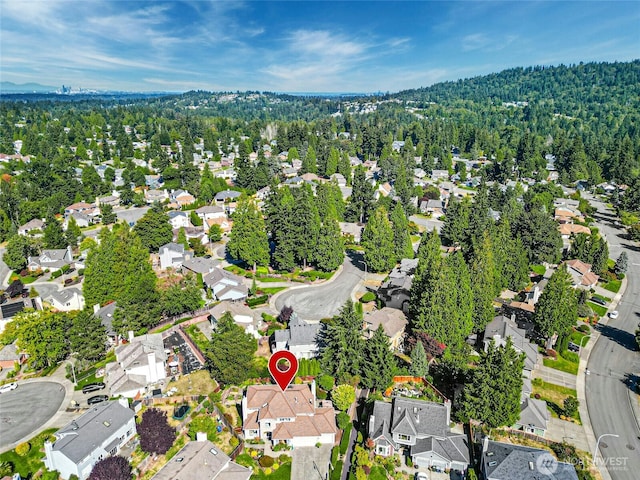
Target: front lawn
[[89, 375], [613, 285], [282, 472], [598, 309], [554, 395], [561, 364], [269, 290], [538, 269], [378, 473], [32, 462]]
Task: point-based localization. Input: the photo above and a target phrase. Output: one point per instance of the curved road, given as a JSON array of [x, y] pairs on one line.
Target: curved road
[[25, 410], [326, 300], [615, 364]]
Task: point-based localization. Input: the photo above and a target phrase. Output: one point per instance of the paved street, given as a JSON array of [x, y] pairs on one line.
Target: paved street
[[615, 364], [26, 409], [323, 301]]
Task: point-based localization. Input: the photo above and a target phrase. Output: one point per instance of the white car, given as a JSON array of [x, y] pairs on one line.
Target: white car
[[613, 314], [421, 476], [8, 387]]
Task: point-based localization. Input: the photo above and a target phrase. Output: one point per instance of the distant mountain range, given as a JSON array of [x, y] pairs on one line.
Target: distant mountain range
[[10, 87]]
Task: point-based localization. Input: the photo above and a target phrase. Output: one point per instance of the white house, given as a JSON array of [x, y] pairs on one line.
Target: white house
[[225, 285], [67, 300], [172, 255], [242, 315], [178, 219], [52, 259], [32, 225], [292, 416], [300, 338], [98, 433], [139, 364], [210, 214]]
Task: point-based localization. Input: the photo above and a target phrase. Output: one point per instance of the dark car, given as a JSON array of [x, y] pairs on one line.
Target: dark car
[[97, 399], [597, 300], [92, 387]]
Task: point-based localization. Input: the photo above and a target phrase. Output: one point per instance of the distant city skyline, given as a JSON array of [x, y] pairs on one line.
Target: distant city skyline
[[301, 46]]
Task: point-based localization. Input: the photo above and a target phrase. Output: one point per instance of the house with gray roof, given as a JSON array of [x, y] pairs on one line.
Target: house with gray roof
[[200, 265], [172, 255], [420, 429], [51, 259], [225, 285], [300, 338], [395, 289], [35, 225], [105, 314], [534, 416], [502, 327], [202, 460], [504, 461], [100, 432], [67, 300]]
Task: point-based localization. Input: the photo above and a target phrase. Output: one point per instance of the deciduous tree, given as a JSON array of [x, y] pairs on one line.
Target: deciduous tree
[[111, 468], [156, 435]]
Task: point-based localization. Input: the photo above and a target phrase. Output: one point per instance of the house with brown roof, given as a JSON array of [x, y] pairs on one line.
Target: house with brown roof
[[36, 225], [567, 229], [581, 274], [393, 323], [293, 416]]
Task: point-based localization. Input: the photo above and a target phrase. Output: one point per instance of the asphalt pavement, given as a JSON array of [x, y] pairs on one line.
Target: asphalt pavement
[[25, 410], [315, 302], [4, 271], [614, 364]]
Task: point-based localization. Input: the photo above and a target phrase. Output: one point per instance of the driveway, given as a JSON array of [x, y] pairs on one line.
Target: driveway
[[325, 300], [564, 431], [557, 377], [310, 463], [4, 270], [25, 410]]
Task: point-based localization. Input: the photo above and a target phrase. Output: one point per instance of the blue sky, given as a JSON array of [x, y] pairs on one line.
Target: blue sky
[[301, 46]]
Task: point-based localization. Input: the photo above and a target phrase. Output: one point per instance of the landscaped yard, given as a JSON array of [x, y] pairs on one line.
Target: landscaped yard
[[281, 472], [613, 286], [598, 309], [554, 395], [89, 375], [32, 462], [538, 269], [561, 364], [196, 383]]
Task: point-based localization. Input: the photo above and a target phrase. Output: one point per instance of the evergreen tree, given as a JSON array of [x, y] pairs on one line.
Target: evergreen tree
[[429, 263], [53, 234], [309, 163], [72, 233], [106, 214], [344, 167], [556, 310], [248, 239], [305, 225], [377, 240], [17, 252], [230, 352], [332, 162], [182, 238], [621, 263], [87, 336], [378, 364], [539, 235], [342, 345], [329, 253], [154, 229], [401, 237], [361, 202], [493, 394], [455, 230], [419, 362], [510, 258], [484, 287]]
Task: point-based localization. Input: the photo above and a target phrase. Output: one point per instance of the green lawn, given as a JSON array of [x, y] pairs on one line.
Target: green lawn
[[613, 286], [538, 269], [269, 279], [598, 309], [561, 364], [344, 443], [283, 472], [577, 337], [33, 461], [378, 473], [270, 290], [554, 395], [89, 376]]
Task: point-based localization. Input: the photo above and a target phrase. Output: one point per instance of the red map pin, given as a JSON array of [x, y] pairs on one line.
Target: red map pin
[[283, 366]]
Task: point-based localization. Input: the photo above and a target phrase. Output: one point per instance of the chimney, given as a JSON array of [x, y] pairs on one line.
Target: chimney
[[48, 451], [201, 437], [96, 307], [130, 336], [485, 444], [124, 402], [447, 405], [372, 422]]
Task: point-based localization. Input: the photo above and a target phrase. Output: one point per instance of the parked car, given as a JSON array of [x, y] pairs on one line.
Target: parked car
[[613, 314], [598, 300], [421, 476], [8, 387], [573, 347], [97, 399], [92, 387]]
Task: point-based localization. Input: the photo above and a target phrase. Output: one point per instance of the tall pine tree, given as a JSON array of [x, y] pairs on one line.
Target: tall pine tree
[[248, 239]]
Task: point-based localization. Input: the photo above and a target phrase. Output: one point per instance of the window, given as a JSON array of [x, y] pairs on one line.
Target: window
[[382, 450], [404, 437]]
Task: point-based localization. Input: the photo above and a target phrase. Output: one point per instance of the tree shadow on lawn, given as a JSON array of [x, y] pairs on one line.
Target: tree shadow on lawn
[[621, 337]]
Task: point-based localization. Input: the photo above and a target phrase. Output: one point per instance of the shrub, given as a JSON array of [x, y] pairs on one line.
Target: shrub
[[584, 329], [326, 382], [267, 471], [56, 274], [570, 356], [368, 297], [266, 461], [343, 420], [81, 271], [571, 406], [252, 302], [234, 442], [23, 449], [321, 394]]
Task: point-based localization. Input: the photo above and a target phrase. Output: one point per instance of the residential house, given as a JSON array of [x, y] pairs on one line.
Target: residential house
[[98, 433], [292, 416], [300, 338], [202, 460], [397, 145], [113, 200], [35, 225], [181, 198], [395, 289], [435, 208], [439, 175], [384, 189], [534, 416], [420, 429], [501, 328], [351, 231], [51, 259], [212, 214], [338, 178], [226, 196], [81, 207], [139, 364], [242, 315], [581, 274], [10, 356], [12, 307], [82, 220], [153, 181], [178, 219], [501, 461], [393, 323], [225, 285], [67, 300], [199, 265], [567, 215], [172, 255], [312, 177], [105, 314], [152, 196]]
